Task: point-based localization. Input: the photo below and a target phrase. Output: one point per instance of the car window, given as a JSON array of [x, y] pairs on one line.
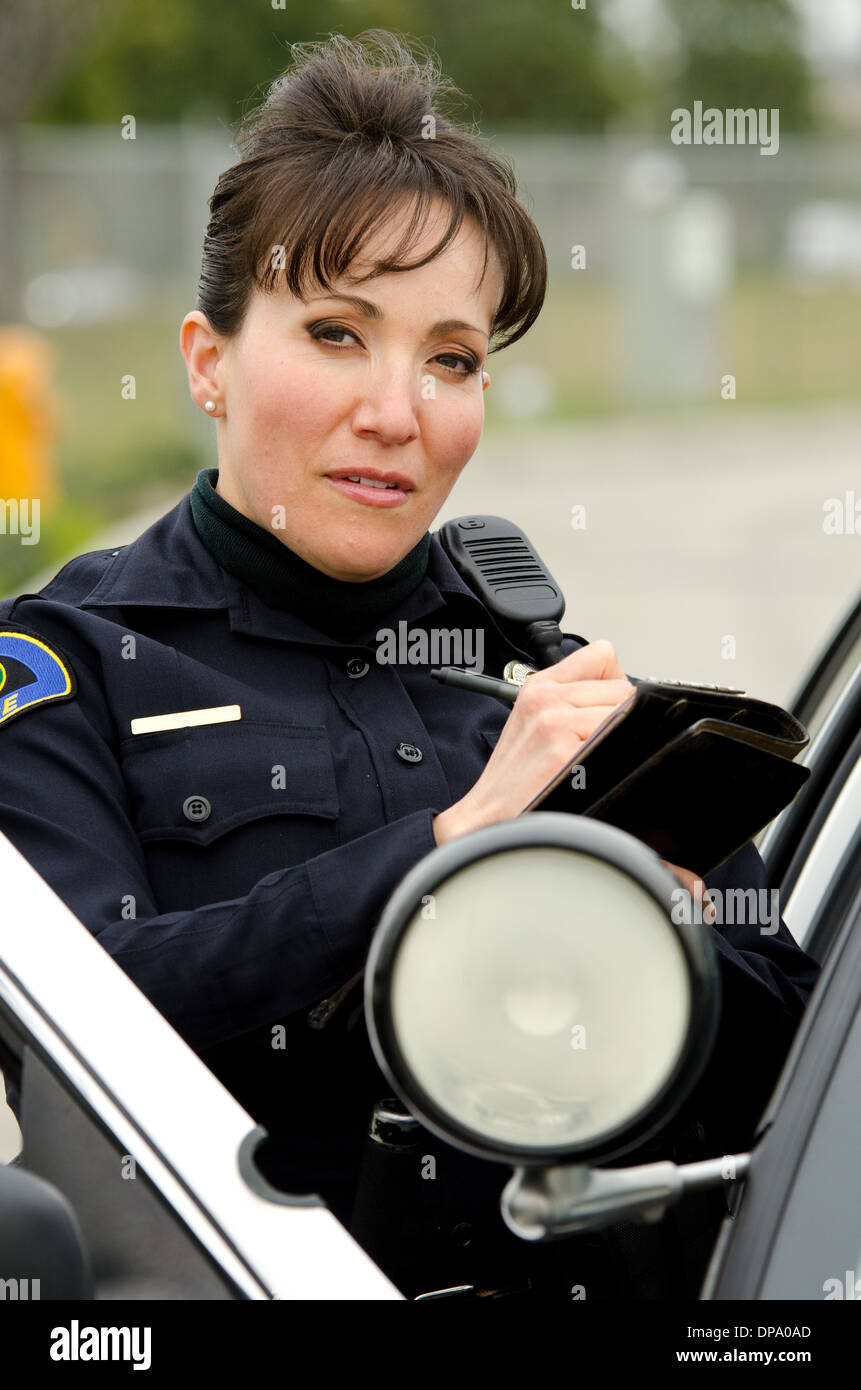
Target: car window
[[807, 844], [834, 846], [833, 686], [831, 670]]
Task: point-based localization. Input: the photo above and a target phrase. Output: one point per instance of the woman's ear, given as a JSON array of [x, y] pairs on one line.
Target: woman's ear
[[199, 346]]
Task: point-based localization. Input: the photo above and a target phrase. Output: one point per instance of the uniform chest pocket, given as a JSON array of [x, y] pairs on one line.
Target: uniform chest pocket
[[196, 784]]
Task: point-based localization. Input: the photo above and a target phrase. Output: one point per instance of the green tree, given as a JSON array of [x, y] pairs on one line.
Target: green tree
[[540, 64], [741, 53], [537, 64]]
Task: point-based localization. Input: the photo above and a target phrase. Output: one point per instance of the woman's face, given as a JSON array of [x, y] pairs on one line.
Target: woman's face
[[317, 390]]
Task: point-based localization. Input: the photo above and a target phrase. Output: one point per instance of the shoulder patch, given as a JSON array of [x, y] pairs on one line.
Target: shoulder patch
[[32, 672]]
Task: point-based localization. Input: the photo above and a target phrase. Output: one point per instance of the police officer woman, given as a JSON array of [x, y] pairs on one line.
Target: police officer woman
[[220, 778]]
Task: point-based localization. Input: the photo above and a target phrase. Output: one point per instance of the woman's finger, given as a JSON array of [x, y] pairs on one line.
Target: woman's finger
[[595, 661], [592, 692], [586, 718], [696, 889]]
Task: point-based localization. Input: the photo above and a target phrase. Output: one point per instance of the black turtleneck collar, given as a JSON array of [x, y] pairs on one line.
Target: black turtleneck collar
[[283, 580]]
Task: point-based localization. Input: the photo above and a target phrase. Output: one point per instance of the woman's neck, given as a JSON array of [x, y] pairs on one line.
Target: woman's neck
[[282, 579]]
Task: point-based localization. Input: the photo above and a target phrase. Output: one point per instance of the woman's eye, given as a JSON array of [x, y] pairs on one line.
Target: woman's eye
[[323, 333], [328, 333], [466, 365]]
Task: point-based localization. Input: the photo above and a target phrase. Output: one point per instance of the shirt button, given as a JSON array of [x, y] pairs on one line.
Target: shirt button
[[196, 808], [356, 667], [462, 1233], [409, 753]]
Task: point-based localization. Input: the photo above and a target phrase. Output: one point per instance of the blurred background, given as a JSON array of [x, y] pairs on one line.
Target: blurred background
[[674, 430]]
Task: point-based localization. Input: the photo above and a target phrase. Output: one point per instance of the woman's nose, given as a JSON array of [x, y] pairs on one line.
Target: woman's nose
[[388, 405]]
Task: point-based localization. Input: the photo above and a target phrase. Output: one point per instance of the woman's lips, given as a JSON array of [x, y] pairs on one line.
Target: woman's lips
[[371, 496]]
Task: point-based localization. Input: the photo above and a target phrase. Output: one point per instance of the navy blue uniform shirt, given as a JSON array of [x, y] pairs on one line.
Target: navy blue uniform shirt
[[239, 918]]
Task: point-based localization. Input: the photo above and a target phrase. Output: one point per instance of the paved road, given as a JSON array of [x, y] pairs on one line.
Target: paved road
[[696, 530]]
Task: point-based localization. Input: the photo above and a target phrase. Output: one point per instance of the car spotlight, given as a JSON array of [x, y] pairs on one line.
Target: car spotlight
[[530, 996]]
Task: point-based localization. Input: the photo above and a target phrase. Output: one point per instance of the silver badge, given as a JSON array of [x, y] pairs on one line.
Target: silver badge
[[516, 672]]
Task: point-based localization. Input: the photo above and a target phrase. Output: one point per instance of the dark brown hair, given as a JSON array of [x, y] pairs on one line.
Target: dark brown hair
[[340, 138]]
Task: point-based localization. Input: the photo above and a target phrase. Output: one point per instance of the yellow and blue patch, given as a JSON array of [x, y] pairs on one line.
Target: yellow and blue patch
[[32, 672]]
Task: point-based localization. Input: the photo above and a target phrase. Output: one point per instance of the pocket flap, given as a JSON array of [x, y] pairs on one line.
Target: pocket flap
[[198, 783]]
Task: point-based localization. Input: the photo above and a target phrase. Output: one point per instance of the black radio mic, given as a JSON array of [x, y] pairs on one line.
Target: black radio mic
[[497, 561]]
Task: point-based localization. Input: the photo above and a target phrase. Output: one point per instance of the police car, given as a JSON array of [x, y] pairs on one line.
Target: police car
[[137, 1175]]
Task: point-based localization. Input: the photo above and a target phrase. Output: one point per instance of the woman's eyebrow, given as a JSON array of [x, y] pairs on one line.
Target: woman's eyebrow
[[373, 311]]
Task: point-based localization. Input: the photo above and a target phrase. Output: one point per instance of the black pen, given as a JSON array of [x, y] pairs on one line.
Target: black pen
[[506, 691]]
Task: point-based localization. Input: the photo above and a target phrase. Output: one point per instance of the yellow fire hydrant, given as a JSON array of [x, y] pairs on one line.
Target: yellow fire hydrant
[[30, 414]]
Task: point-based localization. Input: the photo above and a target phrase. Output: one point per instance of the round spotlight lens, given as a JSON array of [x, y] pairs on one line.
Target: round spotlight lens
[[538, 999]]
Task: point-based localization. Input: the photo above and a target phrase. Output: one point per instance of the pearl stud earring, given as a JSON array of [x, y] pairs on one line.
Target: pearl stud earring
[[209, 405]]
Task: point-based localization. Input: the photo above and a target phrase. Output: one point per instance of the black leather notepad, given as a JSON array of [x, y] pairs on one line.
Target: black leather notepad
[[693, 772]]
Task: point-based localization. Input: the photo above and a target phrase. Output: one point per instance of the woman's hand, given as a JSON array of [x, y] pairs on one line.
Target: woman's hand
[[697, 891], [554, 714]]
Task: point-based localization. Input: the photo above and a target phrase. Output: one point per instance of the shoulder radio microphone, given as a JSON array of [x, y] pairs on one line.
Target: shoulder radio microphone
[[501, 566]]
